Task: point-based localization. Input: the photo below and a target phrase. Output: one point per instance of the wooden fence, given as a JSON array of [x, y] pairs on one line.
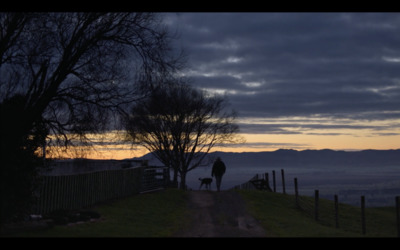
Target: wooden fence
[[314, 208], [69, 192]]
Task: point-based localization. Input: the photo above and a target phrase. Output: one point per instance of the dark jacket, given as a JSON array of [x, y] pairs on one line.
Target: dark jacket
[[218, 168]]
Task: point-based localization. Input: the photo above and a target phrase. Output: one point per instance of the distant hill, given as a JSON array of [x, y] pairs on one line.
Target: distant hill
[[312, 158]]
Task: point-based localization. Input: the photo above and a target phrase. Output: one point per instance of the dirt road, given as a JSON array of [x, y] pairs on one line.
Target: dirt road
[[220, 214]]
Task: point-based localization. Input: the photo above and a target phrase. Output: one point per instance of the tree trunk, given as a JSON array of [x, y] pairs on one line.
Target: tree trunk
[[183, 181], [175, 180]]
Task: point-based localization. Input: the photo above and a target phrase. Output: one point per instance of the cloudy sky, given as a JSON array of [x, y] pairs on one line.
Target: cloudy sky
[[300, 80]]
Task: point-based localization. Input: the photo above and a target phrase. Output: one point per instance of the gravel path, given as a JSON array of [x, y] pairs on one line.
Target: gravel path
[[220, 214]]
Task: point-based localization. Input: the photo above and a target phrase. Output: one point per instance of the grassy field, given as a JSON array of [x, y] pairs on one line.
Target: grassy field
[[156, 214], [281, 218], [160, 214]]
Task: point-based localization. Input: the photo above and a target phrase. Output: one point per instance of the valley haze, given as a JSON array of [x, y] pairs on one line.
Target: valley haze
[[374, 174], [349, 174]]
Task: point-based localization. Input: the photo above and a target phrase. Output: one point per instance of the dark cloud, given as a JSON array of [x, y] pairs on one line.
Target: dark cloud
[[250, 128], [264, 145], [299, 127], [334, 65]]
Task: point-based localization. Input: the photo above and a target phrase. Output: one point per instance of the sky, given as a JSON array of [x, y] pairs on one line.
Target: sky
[[299, 80]]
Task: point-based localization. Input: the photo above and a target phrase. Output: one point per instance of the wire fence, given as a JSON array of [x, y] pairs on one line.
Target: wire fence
[[334, 214]]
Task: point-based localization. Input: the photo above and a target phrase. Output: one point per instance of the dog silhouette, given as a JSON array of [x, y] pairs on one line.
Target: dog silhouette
[[206, 182]]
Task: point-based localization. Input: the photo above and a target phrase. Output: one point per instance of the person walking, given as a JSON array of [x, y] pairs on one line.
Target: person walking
[[218, 170]]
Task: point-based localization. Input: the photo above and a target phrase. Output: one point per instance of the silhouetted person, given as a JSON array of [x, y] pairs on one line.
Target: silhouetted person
[[218, 171]]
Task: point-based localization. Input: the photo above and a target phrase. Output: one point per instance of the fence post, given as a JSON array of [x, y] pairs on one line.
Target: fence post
[[52, 194], [283, 181], [266, 178], [296, 192], [273, 180], [316, 204], [398, 215], [363, 215], [336, 211]]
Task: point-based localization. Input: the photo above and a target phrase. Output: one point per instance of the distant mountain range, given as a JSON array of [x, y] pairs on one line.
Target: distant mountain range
[[312, 158]]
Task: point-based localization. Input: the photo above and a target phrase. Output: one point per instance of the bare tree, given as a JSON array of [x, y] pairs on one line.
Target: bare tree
[[68, 73], [72, 68], [180, 125]]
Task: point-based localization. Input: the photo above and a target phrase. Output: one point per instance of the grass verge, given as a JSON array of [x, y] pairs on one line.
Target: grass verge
[[157, 214], [280, 216], [161, 214]]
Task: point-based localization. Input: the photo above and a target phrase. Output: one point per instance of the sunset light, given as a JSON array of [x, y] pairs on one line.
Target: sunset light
[[112, 120]]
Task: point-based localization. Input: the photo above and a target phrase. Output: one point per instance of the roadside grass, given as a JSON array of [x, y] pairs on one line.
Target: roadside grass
[[161, 214], [280, 217], [156, 214]]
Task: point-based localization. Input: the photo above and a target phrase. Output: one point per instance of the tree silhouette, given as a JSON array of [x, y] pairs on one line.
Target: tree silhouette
[[67, 74], [180, 125]]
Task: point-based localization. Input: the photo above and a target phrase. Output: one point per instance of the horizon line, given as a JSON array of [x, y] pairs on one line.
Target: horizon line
[[232, 152]]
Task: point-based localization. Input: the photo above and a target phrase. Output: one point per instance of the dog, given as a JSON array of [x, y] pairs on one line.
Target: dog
[[206, 182]]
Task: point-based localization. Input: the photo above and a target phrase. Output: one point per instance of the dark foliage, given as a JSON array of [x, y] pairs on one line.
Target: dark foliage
[[19, 163], [67, 75]]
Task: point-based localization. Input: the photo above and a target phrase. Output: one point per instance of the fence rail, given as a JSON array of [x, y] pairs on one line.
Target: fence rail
[[69, 192], [249, 185], [321, 211], [154, 178]]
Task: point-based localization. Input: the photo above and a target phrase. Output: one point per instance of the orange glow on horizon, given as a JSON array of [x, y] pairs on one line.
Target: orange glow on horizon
[[260, 143], [298, 133]]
